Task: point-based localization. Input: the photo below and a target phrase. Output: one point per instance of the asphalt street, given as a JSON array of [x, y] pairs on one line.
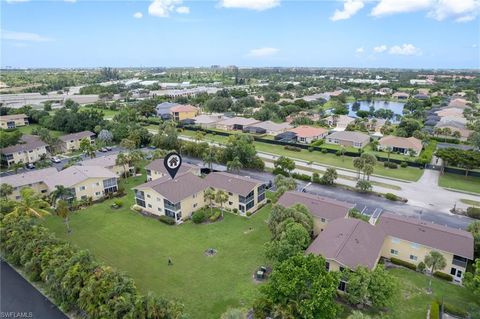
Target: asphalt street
[[19, 299]]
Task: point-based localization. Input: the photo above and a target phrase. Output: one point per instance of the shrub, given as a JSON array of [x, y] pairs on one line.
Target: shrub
[[443, 276], [363, 186], [279, 171], [167, 220], [338, 153], [324, 151], [391, 196], [390, 165], [198, 217], [403, 164], [473, 212], [235, 210], [421, 266], [434, 310], [454, 310], [137, 208], [311, 149], [216, 215], [316, 178], [292, 148], [249, 213], [303, 177], [118, 203], [268, 202], [400, 262], [354, 213]]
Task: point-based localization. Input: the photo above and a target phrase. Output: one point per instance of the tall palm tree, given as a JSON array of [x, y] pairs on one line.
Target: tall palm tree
[[235, 165], [209, 195], [221, 198], [209, 159], [63, 211], [87, 148], [30, 204], [61, 193], [124, 160]]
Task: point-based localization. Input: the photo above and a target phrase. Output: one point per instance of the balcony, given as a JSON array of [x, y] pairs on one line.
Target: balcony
[[459, 261], [170, 206]]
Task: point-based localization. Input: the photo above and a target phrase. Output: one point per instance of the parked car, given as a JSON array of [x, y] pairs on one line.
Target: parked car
[[103, 150], [55, 159], [109, 148], [31, 166]]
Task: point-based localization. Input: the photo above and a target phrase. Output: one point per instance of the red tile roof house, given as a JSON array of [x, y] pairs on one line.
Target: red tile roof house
[[401, 144], [348, 138], [308, 134]]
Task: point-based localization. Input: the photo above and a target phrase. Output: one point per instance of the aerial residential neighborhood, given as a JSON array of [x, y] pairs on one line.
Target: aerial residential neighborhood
[[240, 159]]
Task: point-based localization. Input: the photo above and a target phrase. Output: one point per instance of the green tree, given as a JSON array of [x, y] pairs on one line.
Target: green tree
[[363, 186], [472, 279], [63, 211], [61, 193], [358, 315], [284, 164], [283, 184], [209, 158], [358, 163], [221, 197], [87, 148], [128, 144], [5, 190], [329, 176], [281, 216], [209, 194], [199, 135], [30, 204], [293, 239], [299, 287], [234, 165], [474, 228], [123, 160], [435, 261]]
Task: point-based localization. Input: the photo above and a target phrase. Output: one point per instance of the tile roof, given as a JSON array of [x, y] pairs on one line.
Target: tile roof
[[183, 108], [12, 117], [455, 241], [320, 207], [350, 136], [157, 165], [238, 121], [76, 136], [308, 131], [208, 119], [77, 174], [350, 242], [30, 142], [28, 177], [102, 161], [401, 142], [175, 190], [272, 126], [232, 183]]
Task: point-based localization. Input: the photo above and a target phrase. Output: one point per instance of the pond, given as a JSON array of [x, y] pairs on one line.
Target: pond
[[395, 107]]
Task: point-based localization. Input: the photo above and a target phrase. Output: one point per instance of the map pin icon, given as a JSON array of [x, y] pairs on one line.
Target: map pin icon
[[172, 163]]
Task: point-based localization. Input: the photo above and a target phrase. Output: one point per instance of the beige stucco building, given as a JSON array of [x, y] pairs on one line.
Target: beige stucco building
[[156, 169], [13, 121], [33, 179], [71, 142], [30, 150]]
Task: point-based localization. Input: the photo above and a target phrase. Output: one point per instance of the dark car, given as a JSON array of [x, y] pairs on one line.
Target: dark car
[[31, 166]]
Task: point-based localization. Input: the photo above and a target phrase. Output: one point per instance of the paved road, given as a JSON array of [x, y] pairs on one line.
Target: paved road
[[18, 297]]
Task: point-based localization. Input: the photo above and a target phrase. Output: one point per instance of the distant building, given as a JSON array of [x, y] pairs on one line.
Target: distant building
[[13, 121], [271, 128], [235, 123], [308, 134], [400, 96], [109, 162], [156, 169], [348, 138], [339, 122], [71, 142], [30, 150], [33, 179], [182, 112], [208, 121], [401, 145]]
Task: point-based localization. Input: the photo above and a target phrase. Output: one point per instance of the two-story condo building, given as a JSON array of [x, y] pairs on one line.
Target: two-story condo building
[[33, 179], [13, 121], [30, 150], [156, 169], [71, 142]]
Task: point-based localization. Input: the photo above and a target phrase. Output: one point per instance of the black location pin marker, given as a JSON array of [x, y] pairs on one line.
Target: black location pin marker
[[172, 163]]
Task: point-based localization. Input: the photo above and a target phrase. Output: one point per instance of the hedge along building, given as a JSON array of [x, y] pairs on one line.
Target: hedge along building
[[180, 197]]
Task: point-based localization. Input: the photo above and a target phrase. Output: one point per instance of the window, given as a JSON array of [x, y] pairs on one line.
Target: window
[[341, 268], [159, 199], [159, 209], [194, 205], [148, 196], [194, 196], [453, 271], [395, 240], [83, 197], [342, 286], [327, 265], [323, 220], [97, 193], [230, 203], [414, 245], [149, 205], [82, 188], [394, 252], [230, 193], [413, 257]]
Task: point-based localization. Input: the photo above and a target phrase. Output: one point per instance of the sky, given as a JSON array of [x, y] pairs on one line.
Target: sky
[[246, 33]]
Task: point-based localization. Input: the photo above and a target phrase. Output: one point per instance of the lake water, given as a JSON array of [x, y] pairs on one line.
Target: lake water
[[396, 107]]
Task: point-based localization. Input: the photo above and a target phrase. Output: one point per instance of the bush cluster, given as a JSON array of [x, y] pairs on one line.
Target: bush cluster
[[391, 196], [167, 220], [292, 148], [215, 216], [73, 279], [302, 177], [442, 275], [473, 212], [403, 164], [199, 216], [454, 310], [400, 262], [390, 165]]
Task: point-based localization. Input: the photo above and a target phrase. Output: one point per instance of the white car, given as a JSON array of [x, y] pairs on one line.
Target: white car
[[55, 159]]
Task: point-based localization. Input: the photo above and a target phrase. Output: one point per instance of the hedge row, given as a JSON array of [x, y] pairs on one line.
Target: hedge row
[[434, 310], [442, 275], [73, 279], [400, 262]]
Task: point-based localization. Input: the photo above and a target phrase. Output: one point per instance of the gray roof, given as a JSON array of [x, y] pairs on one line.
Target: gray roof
[[350, 242], [232, 183], [238, 121], [164, 108], [455, 241], [320, 207], [77, 174], [28, 177], [103, 161], [208, 119], [350, 136], [30, 142], [272, 126], [157, 165], [175, 190], [76, 136]]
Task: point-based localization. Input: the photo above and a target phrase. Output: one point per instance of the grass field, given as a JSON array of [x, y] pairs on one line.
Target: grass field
[[107, 113], [141, 246], [460, 182], [408, 173], [27, 129]]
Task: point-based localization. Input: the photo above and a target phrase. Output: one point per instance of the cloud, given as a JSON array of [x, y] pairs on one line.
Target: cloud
[[16, 1], [23, 36], [359, 50], [138, 15], [71, 1], [163, 8], [405, 49], [459, 10], [258, 5], [262, 52], [380, 48], [350, 8], [183, 10]]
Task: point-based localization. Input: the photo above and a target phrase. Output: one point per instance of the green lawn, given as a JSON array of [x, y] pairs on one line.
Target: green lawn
[[408, 173], [27, 129], [460, 182], [107, 113], [141, 246]]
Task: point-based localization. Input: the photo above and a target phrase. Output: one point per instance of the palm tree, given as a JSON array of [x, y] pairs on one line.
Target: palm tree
[[209, 195], [199, 136], [367, 170], [30, 204], [122, 159], [5, 190], [358, 163], [234, 165], [61, 193], [389, 150], [209, 159], [87, 148], [221, 198], [62, 211]]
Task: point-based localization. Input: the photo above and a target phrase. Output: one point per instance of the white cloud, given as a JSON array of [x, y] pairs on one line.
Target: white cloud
[[258, 5], [23, 36], [183, 10], [163, 8], [71, 1], [138, 15], [16, 1], [360, 50], [350, 8], [262, 52], [380, 48], [459, 10], [405, 49]]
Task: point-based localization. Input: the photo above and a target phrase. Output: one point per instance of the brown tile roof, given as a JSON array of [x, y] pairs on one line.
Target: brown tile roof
[[13, 117], [350, 242], [29, 177], [183, 108], [232, 183], [175, 190], [320, 207], [30, 142], [308, 131], [76, 136], [401, 142], [157, 165], [356, 137], [455, 241]]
